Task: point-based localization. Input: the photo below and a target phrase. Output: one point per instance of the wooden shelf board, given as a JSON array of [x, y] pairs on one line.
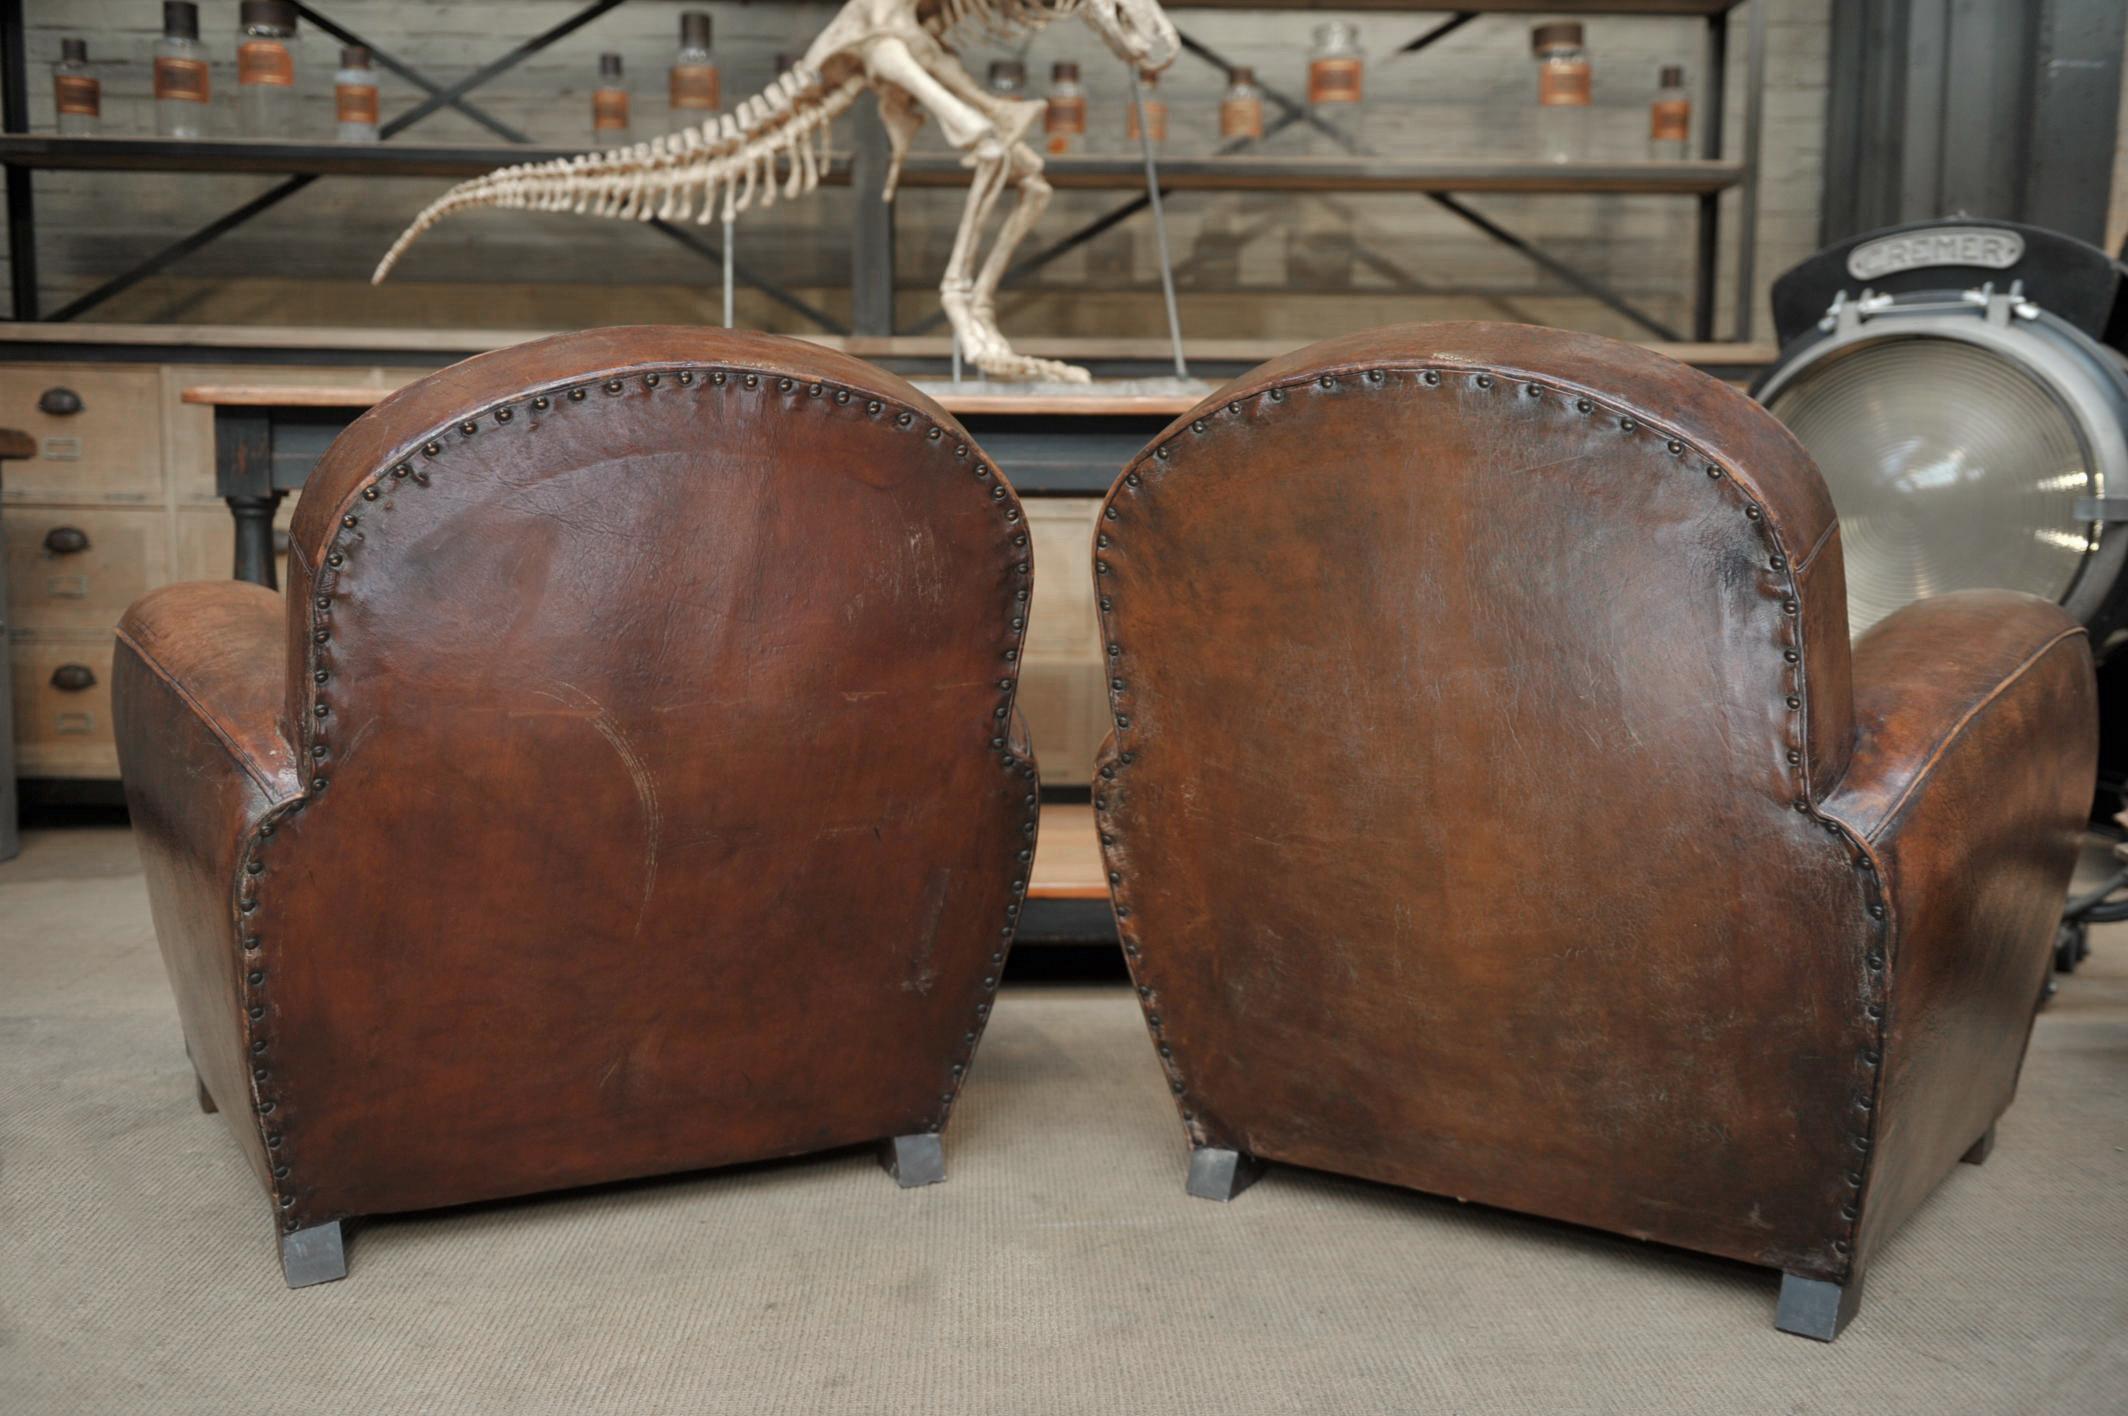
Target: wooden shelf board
[[1119, 174], [1067, 856], [1366, 174]]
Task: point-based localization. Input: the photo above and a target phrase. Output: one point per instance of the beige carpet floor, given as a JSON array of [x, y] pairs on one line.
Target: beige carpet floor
[[1059, 1269]]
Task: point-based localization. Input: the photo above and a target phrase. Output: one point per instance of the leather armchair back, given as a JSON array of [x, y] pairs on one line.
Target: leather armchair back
[[651, 692], [1497, 869]]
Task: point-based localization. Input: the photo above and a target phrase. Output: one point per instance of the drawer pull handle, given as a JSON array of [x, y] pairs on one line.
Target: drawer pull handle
[[66, 540], [59, 402], [73, 678]]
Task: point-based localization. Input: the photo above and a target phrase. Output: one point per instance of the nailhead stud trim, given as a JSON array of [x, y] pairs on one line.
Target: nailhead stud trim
[[335, 561], [1676, 447]]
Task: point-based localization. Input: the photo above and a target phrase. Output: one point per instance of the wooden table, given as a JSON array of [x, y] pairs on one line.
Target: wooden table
[[266, 440]]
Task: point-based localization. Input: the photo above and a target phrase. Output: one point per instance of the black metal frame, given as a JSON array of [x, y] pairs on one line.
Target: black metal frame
[[21, 206], [872, 266], [1707, 247]]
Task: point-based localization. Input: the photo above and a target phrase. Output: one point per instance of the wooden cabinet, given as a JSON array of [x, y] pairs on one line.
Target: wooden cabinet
[[118, 499], [1062, 695], [206, 542]]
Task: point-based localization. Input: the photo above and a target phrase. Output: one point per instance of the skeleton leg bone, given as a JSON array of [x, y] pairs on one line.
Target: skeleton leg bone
[[1034, 191], [988, 129], [981, 344]]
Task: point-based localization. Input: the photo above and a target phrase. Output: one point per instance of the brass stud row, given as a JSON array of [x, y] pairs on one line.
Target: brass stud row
[[904, 418], [1431, 378]]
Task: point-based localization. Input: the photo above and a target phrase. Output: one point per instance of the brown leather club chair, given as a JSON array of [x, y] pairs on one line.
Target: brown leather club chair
[[624, 786], [1495, 806]]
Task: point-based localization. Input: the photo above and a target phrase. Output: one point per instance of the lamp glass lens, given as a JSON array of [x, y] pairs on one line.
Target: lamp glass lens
[[1951, 467]]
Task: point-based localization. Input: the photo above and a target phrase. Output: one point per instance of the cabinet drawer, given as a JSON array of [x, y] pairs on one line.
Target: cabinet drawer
[[63, 730], [1060, 619], [78, 568], [109, 449]]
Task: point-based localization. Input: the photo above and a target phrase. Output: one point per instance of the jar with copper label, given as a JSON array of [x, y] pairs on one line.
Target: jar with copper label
[[1064, 119], [692, 87], [1563, 91], [355, 96], [1007, 79], [1241, 109], [1155, 114], [1337, 90], [266, 68], [181, 87], [609, 104], [76, 91], [1670, 117]]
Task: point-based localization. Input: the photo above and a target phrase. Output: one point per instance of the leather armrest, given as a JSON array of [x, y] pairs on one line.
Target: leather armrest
[[220, 647], [1976, 746], [196, 694], [1925, 676]]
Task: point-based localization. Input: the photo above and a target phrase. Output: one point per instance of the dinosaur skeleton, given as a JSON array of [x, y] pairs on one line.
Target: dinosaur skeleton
[[775, 144]]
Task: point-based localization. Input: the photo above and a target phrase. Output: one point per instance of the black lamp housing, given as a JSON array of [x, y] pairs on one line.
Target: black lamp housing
[[1963, 386]]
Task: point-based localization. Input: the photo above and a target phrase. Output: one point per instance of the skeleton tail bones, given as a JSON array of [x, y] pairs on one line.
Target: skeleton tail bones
[[734, 157]]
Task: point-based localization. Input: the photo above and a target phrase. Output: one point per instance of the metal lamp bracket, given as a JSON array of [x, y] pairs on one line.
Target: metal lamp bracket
[[1998, 308]]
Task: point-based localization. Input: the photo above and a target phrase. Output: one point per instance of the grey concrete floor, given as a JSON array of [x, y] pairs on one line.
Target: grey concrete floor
[[1059, 1269]]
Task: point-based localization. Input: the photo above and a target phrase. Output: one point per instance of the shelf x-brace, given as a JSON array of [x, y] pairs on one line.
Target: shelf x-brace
[[1292, 112], [439, 97]]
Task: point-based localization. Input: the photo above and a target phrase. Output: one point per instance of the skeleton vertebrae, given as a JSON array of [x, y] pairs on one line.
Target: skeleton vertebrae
[[776, 143]]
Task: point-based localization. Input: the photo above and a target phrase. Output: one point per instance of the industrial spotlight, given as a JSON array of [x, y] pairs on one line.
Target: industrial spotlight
[[1962, 387]]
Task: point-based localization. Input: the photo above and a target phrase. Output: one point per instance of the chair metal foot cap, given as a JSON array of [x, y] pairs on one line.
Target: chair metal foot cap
[[1816, 1307], [1978, 1153], [314, 1255], [914, 1160], [1220, 1174]]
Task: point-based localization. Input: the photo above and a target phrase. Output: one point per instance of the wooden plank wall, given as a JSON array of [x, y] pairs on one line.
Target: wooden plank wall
[[1471, 94]]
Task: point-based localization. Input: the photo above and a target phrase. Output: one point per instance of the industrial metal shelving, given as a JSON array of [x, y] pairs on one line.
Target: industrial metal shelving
[[1235, 168]]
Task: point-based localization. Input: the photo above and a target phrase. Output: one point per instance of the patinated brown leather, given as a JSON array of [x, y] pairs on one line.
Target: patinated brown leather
[[629, 786], [1495, 806]]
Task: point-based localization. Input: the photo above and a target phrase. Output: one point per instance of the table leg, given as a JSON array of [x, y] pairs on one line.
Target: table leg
[[254, 537]]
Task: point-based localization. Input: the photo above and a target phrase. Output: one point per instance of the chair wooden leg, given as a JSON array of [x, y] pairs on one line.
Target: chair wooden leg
[[1978, 1154], [314, 1255], [206, 1098], [1816, 1307], [913, 1160], [1220, 1174]]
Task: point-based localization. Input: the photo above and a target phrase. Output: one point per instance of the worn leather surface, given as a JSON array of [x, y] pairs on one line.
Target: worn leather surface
[[196, 684], [658, 804], [1975, 751], [1498, 863]]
